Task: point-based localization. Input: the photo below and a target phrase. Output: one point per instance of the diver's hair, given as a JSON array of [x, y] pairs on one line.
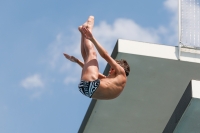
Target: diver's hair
[[125, 65]]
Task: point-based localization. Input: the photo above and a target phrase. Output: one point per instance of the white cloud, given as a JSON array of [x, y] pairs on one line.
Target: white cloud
[[122, 29], [171, 36], [63, 43], [55, 50], [32, 82], [171, 5], [125, 29]]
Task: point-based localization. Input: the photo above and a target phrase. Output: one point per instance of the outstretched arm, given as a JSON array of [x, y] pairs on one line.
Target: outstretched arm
[[98, 46], [80, 63], [74, 59]]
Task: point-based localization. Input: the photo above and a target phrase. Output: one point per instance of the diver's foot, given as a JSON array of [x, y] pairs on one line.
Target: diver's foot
[[89, 23]]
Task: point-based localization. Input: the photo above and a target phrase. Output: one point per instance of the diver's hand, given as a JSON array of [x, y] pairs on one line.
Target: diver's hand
[[87, 34], [71, 58]]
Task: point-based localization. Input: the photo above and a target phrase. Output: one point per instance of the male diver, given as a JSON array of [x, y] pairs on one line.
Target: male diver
[[94, 84]]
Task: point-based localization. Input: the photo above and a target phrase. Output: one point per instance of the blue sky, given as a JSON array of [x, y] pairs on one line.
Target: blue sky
[[38, 86]]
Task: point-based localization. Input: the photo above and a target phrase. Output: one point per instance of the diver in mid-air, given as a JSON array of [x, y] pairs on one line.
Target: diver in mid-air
[[94, 84]]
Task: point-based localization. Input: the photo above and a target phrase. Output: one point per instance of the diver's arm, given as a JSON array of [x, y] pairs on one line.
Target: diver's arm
[[81, 64]]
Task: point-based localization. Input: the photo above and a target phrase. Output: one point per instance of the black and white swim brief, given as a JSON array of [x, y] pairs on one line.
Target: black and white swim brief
[[88, 88]]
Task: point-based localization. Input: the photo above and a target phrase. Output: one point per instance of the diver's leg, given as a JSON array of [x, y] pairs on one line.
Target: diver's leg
[[83, 53], [91, 69], [89, 24]]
